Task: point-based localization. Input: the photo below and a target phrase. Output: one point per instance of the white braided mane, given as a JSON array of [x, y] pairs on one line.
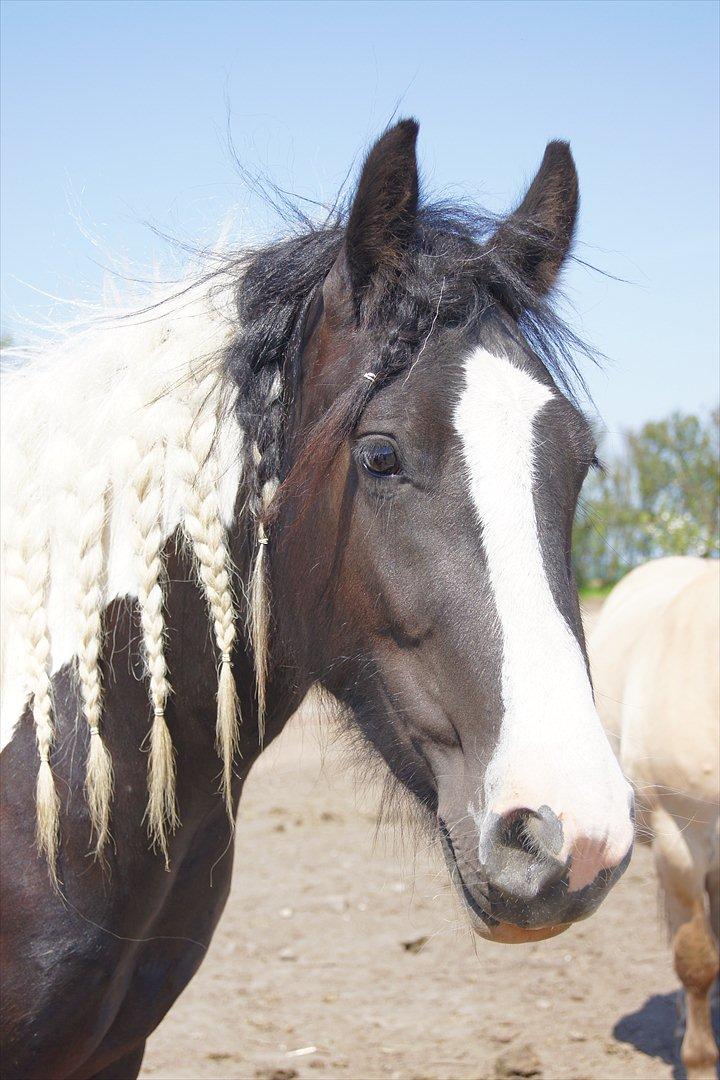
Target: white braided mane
[[112, 438]]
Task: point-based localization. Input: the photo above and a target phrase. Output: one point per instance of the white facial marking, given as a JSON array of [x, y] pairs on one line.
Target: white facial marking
[[552, 750]]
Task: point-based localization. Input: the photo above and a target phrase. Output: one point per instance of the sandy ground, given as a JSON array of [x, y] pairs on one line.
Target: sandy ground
[[339, 956]]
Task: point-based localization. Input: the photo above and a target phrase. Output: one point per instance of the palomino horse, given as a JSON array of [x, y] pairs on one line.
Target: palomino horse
[[352, 451], [654, 656]]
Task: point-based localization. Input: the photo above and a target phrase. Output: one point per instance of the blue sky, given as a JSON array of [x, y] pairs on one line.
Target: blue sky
[[114, 114]]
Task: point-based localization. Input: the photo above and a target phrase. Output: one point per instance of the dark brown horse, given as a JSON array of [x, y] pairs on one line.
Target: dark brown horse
[[357, 451]]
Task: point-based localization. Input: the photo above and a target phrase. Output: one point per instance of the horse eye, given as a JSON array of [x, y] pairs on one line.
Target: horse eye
[[380, 458]]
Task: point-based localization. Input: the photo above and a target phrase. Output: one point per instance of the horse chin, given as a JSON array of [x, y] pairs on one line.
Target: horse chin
[[508, 934]]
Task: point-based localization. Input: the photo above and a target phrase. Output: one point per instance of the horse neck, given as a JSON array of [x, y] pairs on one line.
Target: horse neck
[[121, 484]]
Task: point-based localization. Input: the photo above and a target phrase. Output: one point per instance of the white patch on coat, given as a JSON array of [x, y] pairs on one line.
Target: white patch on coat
[[552, 749], [83, 408]]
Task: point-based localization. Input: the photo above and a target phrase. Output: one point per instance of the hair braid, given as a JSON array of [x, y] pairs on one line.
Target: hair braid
[[146, 497], [205, 529], [99, 773], [29, 570], [263, 441]]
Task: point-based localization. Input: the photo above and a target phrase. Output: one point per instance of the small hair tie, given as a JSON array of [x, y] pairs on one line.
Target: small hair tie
[[94, 730], [160, 711], [263, 540], [225, 658], [370, 376]]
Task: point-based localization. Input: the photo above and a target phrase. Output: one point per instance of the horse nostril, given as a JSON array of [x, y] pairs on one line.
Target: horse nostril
[[520, 854], [538, 833]]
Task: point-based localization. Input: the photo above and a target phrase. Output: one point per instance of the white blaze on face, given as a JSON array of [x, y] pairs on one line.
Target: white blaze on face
[[552, 750]]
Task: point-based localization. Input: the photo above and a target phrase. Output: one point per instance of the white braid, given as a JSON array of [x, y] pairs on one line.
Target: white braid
[[91, 507], [258, 617], [259, 613], [203, 525], [28, 569], [62, 564], [146, 504]]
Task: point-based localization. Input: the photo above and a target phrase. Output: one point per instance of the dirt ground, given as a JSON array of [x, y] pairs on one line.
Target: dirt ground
[[339, 956]]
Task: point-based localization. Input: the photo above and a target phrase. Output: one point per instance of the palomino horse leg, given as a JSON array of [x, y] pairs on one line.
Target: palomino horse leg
[[696, 962], [695, 950], [712, 884]]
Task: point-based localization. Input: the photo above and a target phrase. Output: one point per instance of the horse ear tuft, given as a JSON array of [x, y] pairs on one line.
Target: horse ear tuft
[[534, 241], [383, 212]]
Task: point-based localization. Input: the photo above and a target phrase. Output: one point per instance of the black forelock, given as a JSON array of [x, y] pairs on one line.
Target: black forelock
[[452, 275]]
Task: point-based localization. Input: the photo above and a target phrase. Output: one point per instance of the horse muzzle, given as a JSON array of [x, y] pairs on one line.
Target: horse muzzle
[[520, 885]]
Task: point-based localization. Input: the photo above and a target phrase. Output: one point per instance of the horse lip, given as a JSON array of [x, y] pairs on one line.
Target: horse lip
[[449, 851], [472, 903], [558, 905], [577, 906]]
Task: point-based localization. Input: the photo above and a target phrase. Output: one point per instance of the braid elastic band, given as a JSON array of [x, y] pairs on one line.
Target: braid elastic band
[[370, 376]]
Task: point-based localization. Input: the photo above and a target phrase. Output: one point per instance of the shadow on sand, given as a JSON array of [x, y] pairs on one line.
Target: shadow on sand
[[657, 1028]]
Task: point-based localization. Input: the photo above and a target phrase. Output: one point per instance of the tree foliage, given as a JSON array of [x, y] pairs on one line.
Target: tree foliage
[[660, 495]]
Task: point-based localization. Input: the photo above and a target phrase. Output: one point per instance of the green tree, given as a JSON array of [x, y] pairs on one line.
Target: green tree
[[659, 496]]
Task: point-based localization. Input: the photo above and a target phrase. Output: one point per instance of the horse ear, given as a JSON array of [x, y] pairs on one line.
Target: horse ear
[[533, 242], [384, 209]]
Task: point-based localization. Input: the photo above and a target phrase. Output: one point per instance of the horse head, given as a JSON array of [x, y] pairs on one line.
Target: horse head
[[421, 474]]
